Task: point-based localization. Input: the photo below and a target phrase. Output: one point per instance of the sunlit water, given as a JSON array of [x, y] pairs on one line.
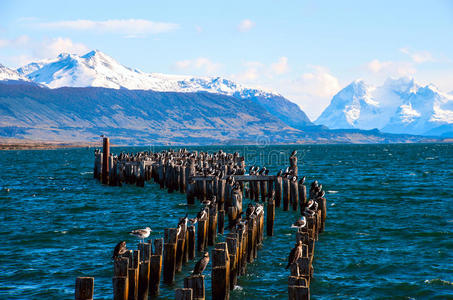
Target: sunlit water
[[389, 230]]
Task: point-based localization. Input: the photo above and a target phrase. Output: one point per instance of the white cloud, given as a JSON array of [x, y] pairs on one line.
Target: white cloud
[[16, 42], [281, 66], [59, 45], [128, 27], [391, 68], [312, 90], [199, 64], [245, 25], [253, 70], [418, 56], [26, 49]]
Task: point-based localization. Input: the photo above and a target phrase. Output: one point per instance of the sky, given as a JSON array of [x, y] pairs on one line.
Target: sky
[[305, 50]]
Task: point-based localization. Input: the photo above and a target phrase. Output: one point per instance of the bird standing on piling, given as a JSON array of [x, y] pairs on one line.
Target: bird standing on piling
[[141, 233], [119, 250], [295, 254], [200, 266], [299, 223]]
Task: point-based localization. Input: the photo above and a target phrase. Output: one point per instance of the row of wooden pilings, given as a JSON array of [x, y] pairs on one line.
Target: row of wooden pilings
[[301, 272], [203, 176]]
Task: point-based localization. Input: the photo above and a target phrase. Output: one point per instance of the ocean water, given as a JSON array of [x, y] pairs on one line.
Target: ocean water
[[389, 228]]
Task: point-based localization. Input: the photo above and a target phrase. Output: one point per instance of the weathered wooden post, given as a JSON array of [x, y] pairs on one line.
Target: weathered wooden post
[[278, 190], [263, 190], [84, 288], [323, 207], [181, 243], [220, 274], [221, 220], [105, 160], [170, 242], [201, 234], [191, 241], [120, 279], [270, 216], [232, 243], [251, 239], [183, 294], [294, 192], [293, 164], [156, 267], [286, 193], [298, 288], [144, 270], [302, 197], [212, 228], [133, 272], [196, 283]]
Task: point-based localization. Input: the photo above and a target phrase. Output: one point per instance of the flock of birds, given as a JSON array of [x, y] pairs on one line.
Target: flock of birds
[[239, 224], [310, 210]]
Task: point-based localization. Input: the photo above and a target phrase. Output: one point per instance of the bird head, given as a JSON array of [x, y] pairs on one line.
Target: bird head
[[206, 254]]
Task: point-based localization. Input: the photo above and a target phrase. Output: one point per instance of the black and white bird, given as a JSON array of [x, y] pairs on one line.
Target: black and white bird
[[119, 250], [295, 254], [294, 153], [299, 223], [141, 233], [259, 209], [302, 180], [250, 210], [202, 215], [200, 266]]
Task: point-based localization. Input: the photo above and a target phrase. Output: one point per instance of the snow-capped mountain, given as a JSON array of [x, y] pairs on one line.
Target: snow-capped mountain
[[398, 106], [8, 74], [96, 69]]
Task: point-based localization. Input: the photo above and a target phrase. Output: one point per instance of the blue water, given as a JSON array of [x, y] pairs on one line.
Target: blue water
[[389, 230]]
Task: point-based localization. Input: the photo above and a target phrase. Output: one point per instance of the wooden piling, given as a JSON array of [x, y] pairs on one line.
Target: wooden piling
[[286, 193], [155, 267], [232, 243], [196, 283], [180, 248], [294, 193], [201, 234], [278, 182], [84, 288], [220, 274], [221, 221], [212, 225], [105, 160], [302, 197], [170, 242], [183, 294], [191, 242], [120, 279], [270, 216]]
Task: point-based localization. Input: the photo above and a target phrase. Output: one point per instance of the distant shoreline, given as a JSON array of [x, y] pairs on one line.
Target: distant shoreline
[[18, 144]]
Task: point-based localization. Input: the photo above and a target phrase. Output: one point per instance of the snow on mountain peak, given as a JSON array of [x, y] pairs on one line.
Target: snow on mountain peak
[[97, 69], [8, 74], [400, 105]]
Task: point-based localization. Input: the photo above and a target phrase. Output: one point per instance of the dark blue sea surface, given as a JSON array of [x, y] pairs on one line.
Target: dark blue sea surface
[[389, 228]]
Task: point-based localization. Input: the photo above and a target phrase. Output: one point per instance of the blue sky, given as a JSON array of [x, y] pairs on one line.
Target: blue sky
[[306, 50]]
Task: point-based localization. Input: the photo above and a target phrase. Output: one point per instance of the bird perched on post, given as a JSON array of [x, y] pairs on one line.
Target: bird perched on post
[[295, 254], [201, 264], [119, 250], [299, 223], [141, 233]]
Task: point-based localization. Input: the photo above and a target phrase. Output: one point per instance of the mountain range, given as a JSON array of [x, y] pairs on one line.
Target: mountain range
[[76, 97], [398, 106]]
